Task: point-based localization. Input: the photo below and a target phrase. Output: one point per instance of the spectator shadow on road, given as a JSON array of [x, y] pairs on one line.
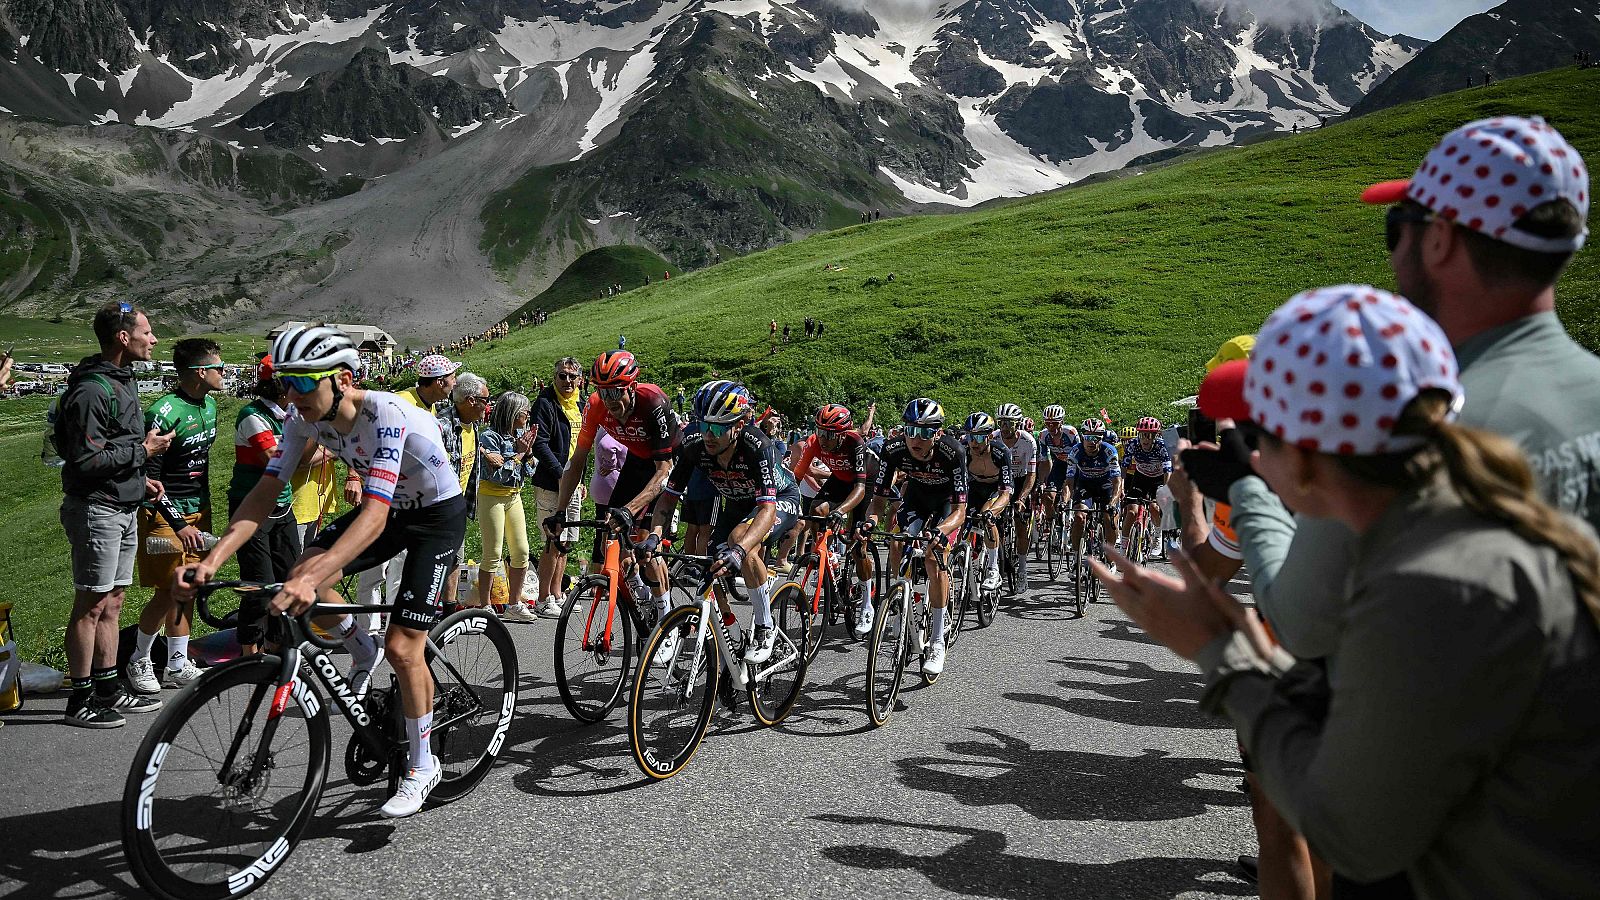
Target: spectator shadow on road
[[1054, 785], [559, 756], [979, 865], [1152, 696], [1123, 630]]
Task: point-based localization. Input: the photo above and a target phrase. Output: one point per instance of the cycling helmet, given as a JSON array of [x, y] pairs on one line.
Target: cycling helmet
[[1008, 411], [313, 348], [924, 412], [1027, 423], [1054, 413], [1149, 423], [833, 417], [615, 369], [697, 408], [1127, 433], [1092, 428], [722, 402], [980, 423]]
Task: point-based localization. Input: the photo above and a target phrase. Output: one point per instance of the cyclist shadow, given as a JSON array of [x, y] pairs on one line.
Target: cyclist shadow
[[1121, 630], [979, 865], [66, 853], [836, 708], [1038, 605], [559, 756], [1154, 697], [1054, 785]]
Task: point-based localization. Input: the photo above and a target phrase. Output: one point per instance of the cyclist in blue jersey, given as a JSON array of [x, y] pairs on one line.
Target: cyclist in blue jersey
[[1146, 466], [1094, 473], [1055, 444]]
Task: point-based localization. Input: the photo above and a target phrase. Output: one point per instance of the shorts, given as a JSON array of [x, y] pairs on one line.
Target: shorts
[[1097, 491], [834, 492], [544, 503], [431, 535], [736, 512], [104, 541], [1058, 475], [1140, 487], [155, 569], [917, 513], [636, 472], [697, 510], [979, 494]]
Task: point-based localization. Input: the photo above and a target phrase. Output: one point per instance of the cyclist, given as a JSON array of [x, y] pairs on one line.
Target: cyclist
[[1027, 458], [639, 416], [1146, 464], [850, 464], [990, 480], [1094, 474], [934, 496], [759, 500], [1056, 443], [411, 500]]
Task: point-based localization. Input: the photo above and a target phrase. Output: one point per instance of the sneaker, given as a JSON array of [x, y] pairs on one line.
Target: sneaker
[[991, 578], [933, 663], [414, 789], [124, 701], [519, 612], [91, 715], [141, 674], [183, 677], [360, 677], [669, 646], [760, 649], [550, 608]]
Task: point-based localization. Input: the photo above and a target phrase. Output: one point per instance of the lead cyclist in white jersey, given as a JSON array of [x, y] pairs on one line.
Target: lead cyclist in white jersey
[[412, 501]]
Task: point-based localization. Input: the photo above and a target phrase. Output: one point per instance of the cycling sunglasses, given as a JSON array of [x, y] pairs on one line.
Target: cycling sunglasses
[[719, 429], [979, 437], [305, 383], [613, 393], [208, 366], [923, 432], [1399, 215]]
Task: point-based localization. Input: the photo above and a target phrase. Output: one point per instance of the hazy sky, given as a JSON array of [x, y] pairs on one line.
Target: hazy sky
[[1427, 19]]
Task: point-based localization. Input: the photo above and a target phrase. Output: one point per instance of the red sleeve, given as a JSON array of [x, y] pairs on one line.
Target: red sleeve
[[593, 417], [802, 465]]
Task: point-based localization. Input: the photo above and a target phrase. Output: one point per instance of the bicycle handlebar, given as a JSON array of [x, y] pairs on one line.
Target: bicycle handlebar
[[203, 608]]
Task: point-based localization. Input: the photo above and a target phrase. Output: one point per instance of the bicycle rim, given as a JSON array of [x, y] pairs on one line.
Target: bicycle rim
[[1079, 572], [589, 673], [474, 698], [816, 620], [672, 700], [194, 827], [886, 657], [776, 686], [960, 594]]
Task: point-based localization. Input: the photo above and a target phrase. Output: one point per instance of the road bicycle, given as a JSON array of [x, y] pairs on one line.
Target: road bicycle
[[900, 628], [967, 594], [826, 580], [1058, 536], [227, 779], [1008, 554], [1085, 586], [1144, 534], [673, 697]]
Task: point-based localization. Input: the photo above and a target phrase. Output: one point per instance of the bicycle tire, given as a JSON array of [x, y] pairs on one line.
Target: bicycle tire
[[817, 621], [1052, 549], [886, 656], [474, 698], [956, 615], [1079, 571], [155, 868], [772, 698], [657, 689], [591, 692]]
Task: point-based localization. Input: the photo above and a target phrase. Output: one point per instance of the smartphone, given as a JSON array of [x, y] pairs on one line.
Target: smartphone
[[1202, 430]]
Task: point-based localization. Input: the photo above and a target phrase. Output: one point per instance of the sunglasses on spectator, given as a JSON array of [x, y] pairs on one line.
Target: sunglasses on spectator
[[1397, 216], [569, 376], [479, 398], [922, 432], [207, 366], [306, 383], [719, 429], [613, 393]]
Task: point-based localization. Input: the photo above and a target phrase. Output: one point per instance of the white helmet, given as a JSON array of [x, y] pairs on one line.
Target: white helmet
[[1008, 411], [1054, 413], [313, 348]]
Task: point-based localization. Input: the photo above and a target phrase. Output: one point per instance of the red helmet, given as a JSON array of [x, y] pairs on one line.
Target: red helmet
[[1149, 423], [615, 369], [264, 369], [833, 417]]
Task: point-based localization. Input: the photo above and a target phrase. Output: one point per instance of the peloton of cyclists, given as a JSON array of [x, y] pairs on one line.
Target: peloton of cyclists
[[990, 481]]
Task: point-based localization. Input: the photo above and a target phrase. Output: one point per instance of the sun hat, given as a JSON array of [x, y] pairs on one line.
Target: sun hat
[[437, 366], [1232, 349]]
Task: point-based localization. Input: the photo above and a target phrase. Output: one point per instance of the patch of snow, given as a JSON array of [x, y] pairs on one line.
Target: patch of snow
[[466, 129], [1013, 73], [457, 26], [201, 55], [615, 91], [917, 193], [337, 139], [552, 40], [393, 140], [829, 77], [616, 215], [561, 77], [591, 221]]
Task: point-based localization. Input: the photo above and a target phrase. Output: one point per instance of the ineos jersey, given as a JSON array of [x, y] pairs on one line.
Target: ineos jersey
[[751, 473], [651, 431], [395, 447], [997, 461], [943, 475], [847, 462], [1151, 463], [1099, 467]]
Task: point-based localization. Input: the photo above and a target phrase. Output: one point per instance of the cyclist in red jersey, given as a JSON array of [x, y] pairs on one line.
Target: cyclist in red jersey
[[851, 465], [639, 416]]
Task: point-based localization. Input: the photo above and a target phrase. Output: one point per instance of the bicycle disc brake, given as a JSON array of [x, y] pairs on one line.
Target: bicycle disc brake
[[359, 764]]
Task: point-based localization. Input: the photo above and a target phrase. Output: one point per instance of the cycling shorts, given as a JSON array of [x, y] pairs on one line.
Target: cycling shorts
[[979, 494], [1097, 491], [917, 520], [834, 492], [1140, 487], [698, 510], [431, 536], [635, 474], [737, 512], [1058, 475]]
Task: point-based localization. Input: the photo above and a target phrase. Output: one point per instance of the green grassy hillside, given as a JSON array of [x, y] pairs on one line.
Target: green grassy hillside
[[590, 274], [1111, 294]]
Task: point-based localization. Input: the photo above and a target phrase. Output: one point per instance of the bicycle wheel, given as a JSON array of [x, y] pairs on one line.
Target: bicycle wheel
[[474, 698], [886, 656], [210, 808], [816, 619], [1080, 571], [960, 594], [775, 685], [590, 668], [672, 702], [1052, 549]]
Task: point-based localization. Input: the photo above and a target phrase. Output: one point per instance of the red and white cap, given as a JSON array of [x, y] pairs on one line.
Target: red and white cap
[[436, 366], [1487, 174], [1334, 367]]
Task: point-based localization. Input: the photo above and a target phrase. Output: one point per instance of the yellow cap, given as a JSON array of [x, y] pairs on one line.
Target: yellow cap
[[1232, 349]]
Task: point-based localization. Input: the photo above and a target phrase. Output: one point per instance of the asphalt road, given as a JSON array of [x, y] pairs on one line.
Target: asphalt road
[[1057, 757]]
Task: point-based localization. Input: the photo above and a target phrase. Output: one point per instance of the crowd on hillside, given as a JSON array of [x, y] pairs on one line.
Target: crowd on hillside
[[1408, 478]]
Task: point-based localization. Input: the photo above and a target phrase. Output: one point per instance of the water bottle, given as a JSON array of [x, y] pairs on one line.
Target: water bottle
[[159, 545], [730, 631], [467, 585]]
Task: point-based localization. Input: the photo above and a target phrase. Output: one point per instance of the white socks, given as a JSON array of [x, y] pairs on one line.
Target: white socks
[[177, 651], [760, 606], [143, 644], [664, 603], [363, 649], [417, 732], [992, 557], [938, 625]]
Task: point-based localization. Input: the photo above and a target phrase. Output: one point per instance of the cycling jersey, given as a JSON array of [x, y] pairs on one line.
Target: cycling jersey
[[185, 468], [751, 473], [941, 478], [1102, 466], [395, 447], [650, 432], [1026, 454], [846, 462], [1058, 445], [1153, 462], [256, 431], [991, 468]]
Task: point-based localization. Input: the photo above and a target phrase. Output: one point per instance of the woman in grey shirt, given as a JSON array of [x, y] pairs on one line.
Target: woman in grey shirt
[[1457, 737]]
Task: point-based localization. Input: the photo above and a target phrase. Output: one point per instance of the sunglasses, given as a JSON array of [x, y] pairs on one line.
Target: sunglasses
[[719, 429], [482, 399], [613, 393], [1397, 216], [217, 366], [979, 437], [124, 308], [305, 384], [569, 376], [922, 432]]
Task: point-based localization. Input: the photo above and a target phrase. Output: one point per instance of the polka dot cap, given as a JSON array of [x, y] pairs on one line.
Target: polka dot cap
[[1487, 174], [1334, 367]]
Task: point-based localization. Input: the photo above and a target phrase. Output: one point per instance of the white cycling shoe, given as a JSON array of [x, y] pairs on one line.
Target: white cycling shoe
[[668, 647], [991, 578], [933, 664], [414, 790], [760, 649]]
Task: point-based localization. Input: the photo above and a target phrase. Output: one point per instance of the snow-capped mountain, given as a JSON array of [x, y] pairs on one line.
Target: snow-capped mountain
[[699, 127]]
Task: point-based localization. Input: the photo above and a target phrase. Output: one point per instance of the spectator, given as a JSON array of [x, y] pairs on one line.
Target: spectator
[[314, 494], [271, 552], [100, 435], [557, 416], [772, 331], [458, 426], [5, 370], [507, 443], [436, 378], [819, 328], [786, 334], [811, 326], [609, 456], [1453, 744], [678, 400], [180, 516]]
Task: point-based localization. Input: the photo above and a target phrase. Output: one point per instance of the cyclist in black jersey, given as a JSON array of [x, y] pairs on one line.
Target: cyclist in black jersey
[[990, 481], [935, 496]]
